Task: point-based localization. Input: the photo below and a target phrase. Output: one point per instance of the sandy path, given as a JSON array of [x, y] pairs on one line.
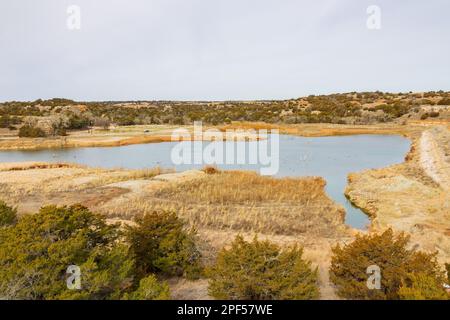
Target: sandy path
[[432, 159]]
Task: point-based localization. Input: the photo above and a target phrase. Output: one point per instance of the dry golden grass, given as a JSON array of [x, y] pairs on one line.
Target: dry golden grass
[[238, 187], [79, 142], [16, 166], [249, 126], [326, 129], [47, 181], [244, 201], [233, 201], [118, 175], [227, 200], [219, 205], [121, 142]]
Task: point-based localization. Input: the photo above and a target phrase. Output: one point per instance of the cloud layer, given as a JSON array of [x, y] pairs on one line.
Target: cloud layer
[[220, 49]]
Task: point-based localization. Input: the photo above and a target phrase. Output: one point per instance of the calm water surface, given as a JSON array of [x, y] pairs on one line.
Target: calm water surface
[[332, 158]]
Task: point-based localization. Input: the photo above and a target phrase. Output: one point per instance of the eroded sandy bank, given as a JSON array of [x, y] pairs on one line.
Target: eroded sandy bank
[[413, 196]]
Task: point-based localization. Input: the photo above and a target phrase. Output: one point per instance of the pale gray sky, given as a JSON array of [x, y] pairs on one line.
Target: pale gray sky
[[220, 49]]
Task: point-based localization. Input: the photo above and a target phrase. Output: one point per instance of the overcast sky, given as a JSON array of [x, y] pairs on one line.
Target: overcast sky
[[220, 49]]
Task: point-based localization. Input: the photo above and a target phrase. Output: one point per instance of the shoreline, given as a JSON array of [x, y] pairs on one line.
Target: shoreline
[[130, 135], [410, 197], [308, 131]]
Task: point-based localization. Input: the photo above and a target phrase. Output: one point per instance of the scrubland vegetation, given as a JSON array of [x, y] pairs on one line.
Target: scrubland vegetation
[[162, 246], [175, 224], [8, 215], [135, 262], [260, 270], [56, 116], [405, 273], [197, 226], [37, 249], [125, 196]]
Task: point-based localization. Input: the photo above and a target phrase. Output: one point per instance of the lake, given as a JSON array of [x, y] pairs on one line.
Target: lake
[[332, 158]]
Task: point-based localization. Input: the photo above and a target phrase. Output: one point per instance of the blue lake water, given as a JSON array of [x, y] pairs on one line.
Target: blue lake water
[[332, 158]]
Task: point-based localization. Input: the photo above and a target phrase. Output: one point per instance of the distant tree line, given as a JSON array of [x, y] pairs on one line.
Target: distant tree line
[[345, 108]]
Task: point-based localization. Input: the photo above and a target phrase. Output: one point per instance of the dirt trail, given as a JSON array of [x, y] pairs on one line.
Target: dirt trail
[[432, 157]]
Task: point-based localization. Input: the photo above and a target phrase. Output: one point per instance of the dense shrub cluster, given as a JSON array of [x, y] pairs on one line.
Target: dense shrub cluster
[[422, 286], [8, 215], [78, 122], [404, 273], [149, 289], [334, 108], [444, 102], [434, 114], [395, 110], [28, 131], [261, 270], [36, 251], [8, 121], [160, 244]]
